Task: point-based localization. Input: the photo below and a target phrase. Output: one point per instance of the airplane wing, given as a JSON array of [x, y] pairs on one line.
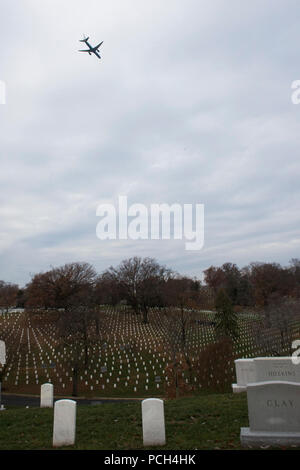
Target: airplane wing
[[96, 47], [84, 50]]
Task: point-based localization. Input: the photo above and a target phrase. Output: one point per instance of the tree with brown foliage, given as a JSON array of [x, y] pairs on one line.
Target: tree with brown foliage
[[176, 326], [267, 279], [181, 295], [106, 290], [62, 287], [214, 278], [213, 366], [8, 295], [76, 329]]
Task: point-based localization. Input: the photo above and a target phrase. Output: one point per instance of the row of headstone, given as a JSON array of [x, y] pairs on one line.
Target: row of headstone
[[64, 427], [42, 362], [273, 409], [265, 369]]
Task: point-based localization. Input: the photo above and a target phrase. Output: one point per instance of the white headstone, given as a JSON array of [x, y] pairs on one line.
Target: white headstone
[[46, 396], [265, 369], [2, 352], [274, 414], [245, 373], [153, 420], [277, 369], [64, 427]]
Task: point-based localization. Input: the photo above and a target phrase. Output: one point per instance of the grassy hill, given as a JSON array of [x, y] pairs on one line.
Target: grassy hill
[[203, 422]]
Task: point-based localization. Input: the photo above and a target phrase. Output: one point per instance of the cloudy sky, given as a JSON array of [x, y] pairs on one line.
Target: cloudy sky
[[190, 104]]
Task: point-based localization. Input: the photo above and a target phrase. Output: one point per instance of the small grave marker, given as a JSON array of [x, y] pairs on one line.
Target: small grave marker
[[64, 428], [46, 399], [153, 422]]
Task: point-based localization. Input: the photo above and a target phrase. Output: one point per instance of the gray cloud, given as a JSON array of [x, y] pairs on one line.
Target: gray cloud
[[190, 104]]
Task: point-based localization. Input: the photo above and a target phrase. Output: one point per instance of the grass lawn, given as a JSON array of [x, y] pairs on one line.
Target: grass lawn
[[203, 422]]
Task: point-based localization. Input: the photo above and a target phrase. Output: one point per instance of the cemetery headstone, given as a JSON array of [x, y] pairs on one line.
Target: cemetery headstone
[[153, 420], [274, 414], [276, 368], [46, 400], [2, 353], [64, 427], [245, 373], [264, 369]]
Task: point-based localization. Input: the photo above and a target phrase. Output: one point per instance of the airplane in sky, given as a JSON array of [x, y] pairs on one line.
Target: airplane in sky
[[91, 49]]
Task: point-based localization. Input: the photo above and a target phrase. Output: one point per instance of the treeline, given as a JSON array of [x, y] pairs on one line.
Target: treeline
[[142, 283], [257, 284]]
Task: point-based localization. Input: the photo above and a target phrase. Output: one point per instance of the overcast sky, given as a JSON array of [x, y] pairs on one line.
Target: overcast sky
[[190, 103]]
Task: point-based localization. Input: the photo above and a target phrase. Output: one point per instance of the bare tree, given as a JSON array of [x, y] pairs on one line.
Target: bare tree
[[178, 322], [279, 326], [140, 282], [77, 331]]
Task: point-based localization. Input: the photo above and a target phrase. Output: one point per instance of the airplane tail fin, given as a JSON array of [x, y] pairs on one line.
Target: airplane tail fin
[[84, 39]]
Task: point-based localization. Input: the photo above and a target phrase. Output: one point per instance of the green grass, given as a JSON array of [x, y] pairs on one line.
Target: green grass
[[203, 422]]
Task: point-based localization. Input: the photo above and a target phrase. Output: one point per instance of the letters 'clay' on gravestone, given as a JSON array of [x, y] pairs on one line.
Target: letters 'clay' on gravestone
[[64, 427], [46, 396], [2, 353], [153, 420], [274, 414]]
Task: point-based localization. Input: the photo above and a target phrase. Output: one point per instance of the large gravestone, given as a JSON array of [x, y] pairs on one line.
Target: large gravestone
[[64, 427], [276, 368], [265, 369], [274, 414]]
